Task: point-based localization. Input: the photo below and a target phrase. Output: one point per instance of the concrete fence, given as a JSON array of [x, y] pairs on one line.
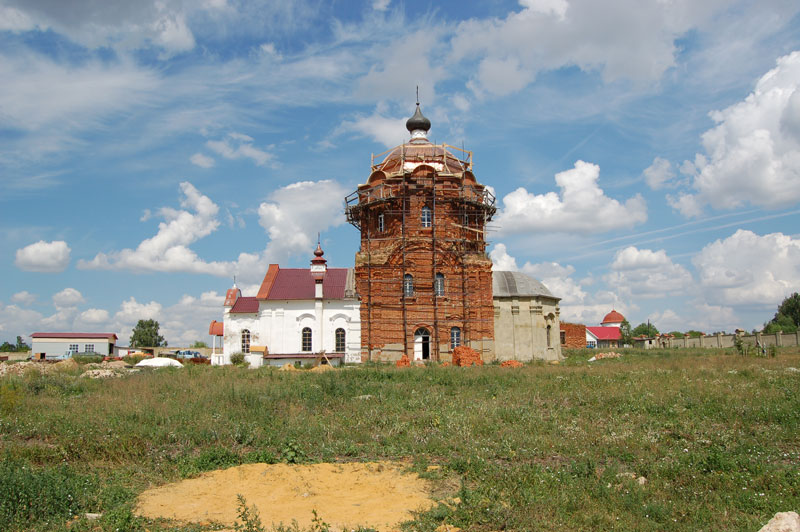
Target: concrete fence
[[727, 340]]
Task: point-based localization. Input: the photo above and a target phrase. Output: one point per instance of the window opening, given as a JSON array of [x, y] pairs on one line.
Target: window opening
[[427, 216], [245, 341], [408, 285], [455, 337], [381, 225], [563, 337], [340, 340], [306, 339], [438, 284], [548, 335], [88, 348], [73, 348]]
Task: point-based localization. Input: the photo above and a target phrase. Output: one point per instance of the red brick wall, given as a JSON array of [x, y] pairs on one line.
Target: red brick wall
[[451, 247], [575, 335]]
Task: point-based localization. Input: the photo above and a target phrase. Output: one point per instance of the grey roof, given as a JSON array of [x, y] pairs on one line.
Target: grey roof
[[517, 284]]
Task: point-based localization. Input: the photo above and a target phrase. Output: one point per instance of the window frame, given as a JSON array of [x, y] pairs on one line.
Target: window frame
[[438, 284], [88, 348], [246, 337], [455, 337], [306, 340], [408, 285], [426, 217], [381, 223], [340, 344], [73, 348]]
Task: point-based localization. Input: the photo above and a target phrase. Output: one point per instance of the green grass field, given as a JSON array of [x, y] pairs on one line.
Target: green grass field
[[715, 435]]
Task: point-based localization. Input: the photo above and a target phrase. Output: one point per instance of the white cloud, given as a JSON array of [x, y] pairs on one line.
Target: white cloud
[[68, 297], [388, 131], [14, 20], [237, 146], [659, 174], [187, 321], [43, 257], [547, 7], [501, 260], [644, 273], [389, 77], [94, 316], [168, 250], [381, 5], [749, 269], [203, 161], [581, 207], [753, 154], [627, 39], [16, 321], [23, 298], [292, 221], [558, 279]]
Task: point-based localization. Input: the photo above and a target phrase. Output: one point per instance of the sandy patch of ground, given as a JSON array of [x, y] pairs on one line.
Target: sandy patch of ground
[[376, 494]]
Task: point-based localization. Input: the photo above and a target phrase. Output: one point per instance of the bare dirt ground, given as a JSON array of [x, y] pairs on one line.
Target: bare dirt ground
[[377, 494]]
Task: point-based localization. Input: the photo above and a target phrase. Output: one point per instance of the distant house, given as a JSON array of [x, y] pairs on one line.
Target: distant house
[[60, 343], [603, 336]]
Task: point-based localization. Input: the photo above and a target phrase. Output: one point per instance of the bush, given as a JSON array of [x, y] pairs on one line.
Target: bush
[[92, 358], [237, 359]]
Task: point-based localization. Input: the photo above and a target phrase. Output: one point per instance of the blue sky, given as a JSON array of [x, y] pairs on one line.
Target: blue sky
[[645, 154]]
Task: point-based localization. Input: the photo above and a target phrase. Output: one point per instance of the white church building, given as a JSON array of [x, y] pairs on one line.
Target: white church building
[[297, 313]]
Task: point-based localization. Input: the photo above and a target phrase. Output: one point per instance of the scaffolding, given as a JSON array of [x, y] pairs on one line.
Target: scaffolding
[[461, 210]]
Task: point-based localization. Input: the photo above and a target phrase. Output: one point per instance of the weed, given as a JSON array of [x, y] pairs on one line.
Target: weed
[[292, 453], [248, 520], [237, 359]]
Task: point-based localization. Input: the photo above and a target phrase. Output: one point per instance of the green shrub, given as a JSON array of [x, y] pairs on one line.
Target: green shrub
[[92, 358], [237, 359]]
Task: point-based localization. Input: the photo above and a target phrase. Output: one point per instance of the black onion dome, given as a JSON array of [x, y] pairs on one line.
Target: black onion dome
[[418, 121]]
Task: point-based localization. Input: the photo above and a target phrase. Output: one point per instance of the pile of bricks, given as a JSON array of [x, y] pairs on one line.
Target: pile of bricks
[[466, 356], [511, 364], [404, 362]]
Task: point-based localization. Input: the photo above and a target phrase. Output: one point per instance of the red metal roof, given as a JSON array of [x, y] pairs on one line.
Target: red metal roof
[[297, 283], [110, 336], [605, 333], [216, 328], [269, 279], [231, 295], [613, 317], [245, 305]]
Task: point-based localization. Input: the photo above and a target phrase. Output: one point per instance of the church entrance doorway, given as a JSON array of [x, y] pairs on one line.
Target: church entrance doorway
[[422, 344]]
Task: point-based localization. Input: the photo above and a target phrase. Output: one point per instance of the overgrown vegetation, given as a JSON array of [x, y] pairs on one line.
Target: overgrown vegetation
[[541, 447]]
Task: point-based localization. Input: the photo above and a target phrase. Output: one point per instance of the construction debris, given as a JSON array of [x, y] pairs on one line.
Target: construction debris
[[601, 356], [466, 356], [511, 364], [404, 362]]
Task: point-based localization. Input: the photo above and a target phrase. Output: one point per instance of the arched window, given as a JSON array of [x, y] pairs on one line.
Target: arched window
[[339, 340], [455, 337], [306, 339], [381, 223], [548, 336], [427, 216], [408, 285], [245, 341], [438, 284]]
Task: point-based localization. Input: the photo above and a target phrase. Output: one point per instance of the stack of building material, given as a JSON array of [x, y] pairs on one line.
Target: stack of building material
[[466, 356]]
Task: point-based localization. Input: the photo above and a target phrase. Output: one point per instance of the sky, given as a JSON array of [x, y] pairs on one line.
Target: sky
[[645, 155]]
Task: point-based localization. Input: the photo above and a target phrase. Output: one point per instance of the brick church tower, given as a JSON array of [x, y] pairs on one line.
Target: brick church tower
[[422, 272]]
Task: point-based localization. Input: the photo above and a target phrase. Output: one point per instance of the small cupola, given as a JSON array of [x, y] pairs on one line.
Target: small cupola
[[319, 264], [418, 125], [232, 295]]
